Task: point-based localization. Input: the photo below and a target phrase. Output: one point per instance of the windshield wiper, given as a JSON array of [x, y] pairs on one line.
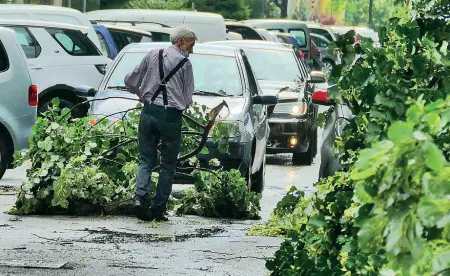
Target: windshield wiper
[[202, 92], [118, 87]]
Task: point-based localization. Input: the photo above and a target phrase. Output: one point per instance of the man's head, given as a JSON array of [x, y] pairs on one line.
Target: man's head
[[184, 38]]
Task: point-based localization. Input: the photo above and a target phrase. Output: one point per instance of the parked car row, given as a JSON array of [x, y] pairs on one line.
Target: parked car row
[[267, 87], [266, 70]]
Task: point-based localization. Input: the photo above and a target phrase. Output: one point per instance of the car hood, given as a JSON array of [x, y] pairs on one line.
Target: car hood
[[285, 91], [128, 101]]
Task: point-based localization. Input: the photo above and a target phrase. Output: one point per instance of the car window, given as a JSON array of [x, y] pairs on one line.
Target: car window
[[300, 36], [251, 77], [4, 62], [276, 31], [29, 45], [103, 44], [160, 37], [74, 42], [273, 65], [122, 39], [211, 73], [323, 32], [246, 32]]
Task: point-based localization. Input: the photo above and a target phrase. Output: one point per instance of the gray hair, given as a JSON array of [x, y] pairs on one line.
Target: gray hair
[[182, 32]]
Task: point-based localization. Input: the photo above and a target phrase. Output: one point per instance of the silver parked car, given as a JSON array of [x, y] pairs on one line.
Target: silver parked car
[[221, 74], [329, 60], [18, 99]]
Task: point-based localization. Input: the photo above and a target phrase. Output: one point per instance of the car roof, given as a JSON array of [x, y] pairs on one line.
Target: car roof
[[42, 24], [122, 28], [200, 48], [254, 44], [236, 23], [37, 7], [275, 22], [148, 11]]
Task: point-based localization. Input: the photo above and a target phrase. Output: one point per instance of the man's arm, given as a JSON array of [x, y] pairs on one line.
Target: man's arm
[[133, 80], [188, 84]]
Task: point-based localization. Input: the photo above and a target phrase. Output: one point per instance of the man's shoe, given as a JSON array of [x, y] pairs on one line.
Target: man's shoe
[[141, 210], [158, 217]]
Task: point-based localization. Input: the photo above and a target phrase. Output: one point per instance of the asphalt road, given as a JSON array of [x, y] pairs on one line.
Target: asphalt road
[[61, 245]]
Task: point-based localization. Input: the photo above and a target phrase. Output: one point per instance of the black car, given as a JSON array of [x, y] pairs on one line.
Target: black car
[[292, 120], [334, 126]]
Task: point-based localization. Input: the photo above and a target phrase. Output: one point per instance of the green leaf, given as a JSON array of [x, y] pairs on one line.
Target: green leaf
[[204, 150], [435, 157], [400, 132], [317, 221]]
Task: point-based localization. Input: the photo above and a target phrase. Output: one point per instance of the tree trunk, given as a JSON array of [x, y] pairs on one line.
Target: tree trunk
[[370, 13], [283, 5]]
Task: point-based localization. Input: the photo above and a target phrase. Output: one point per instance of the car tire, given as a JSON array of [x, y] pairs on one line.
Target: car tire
[[259, 177], [63, 103], [306, 158], [3, 156]]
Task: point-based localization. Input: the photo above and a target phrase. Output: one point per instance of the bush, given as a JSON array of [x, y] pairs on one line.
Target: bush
[[387, 213]]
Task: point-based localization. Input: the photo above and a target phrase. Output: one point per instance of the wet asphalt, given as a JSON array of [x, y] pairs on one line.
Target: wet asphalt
[[116, 245]]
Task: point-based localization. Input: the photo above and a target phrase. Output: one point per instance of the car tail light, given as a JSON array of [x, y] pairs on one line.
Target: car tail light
[[301, 54], [33, 95], [310, 48], [101, 68], [321, 97]]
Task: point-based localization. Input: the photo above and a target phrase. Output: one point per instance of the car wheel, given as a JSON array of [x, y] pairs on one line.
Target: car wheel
[[327, 67], [306, 158], [3, 157], [63, 103], [258, 178]]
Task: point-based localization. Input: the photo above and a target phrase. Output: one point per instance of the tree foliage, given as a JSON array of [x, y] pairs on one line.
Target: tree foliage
[[388, 212], [357, 12]]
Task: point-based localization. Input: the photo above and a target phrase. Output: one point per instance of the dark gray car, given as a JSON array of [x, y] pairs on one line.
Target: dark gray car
[[223, 71], [292, 121], [294, 27]]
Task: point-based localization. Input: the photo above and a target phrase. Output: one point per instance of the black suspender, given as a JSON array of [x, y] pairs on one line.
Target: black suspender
[[165, 79]]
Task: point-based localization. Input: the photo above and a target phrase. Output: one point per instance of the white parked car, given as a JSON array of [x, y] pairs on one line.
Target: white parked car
[[18, 99], [208, 26], [48, 13], [61, 57]]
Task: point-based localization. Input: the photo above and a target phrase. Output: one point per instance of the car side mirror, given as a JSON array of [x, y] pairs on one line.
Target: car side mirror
[[265, 100], [321, 97], [85, 91], [317, 77]]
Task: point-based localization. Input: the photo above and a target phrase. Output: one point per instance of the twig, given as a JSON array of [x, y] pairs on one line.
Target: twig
[[442, 271]]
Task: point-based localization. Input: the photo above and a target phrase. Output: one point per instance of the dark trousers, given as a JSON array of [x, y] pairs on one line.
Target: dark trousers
[[158, 124]]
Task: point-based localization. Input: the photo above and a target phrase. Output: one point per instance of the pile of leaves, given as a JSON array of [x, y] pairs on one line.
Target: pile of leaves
[[220, 194], [388, 212], [85, 166]]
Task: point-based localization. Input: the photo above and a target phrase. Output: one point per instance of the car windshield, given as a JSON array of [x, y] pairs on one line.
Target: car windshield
[[273, 65], [212, 73]]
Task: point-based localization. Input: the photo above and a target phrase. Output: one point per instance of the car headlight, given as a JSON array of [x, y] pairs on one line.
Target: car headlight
[[294, 109], [234, 128], [94, 119]]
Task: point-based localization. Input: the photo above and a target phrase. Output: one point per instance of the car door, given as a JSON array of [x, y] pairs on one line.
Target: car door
[[259, 117]]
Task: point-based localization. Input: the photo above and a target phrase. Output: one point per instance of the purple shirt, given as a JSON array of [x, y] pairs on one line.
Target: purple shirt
[[144, 80]]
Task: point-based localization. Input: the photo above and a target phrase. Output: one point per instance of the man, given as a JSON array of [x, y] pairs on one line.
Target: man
[[164, 81]]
